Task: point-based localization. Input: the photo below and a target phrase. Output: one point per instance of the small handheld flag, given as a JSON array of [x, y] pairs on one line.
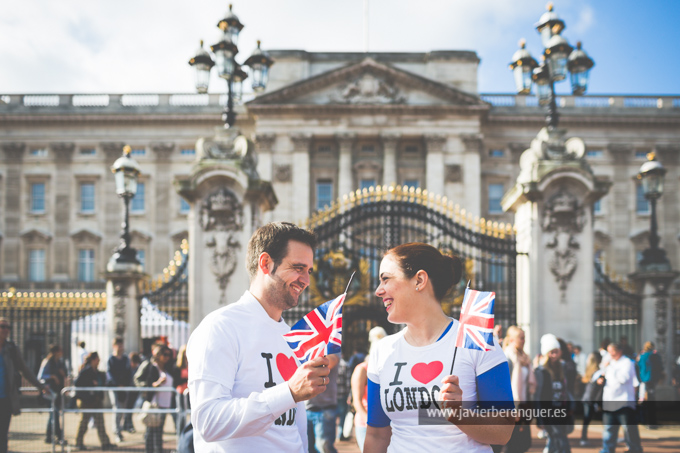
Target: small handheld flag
[[475, 328], [320, 332]]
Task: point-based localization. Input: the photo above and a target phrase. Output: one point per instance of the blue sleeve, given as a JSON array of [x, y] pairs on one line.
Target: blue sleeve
[[376, 416], [493, 388]]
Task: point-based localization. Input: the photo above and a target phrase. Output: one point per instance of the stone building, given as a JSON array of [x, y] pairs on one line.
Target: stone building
[[328, 124]]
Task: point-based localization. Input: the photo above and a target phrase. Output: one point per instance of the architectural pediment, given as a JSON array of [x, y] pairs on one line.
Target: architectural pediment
[[140, 235], [36, 235], [368, 83], [86, 235]]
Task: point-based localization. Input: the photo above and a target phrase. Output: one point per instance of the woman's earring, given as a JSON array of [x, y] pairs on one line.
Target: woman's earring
[[417, 289]]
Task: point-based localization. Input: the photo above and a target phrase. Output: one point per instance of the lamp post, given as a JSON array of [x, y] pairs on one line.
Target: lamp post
[[224, 59], [126, 171], [558, 58], [651, 175]]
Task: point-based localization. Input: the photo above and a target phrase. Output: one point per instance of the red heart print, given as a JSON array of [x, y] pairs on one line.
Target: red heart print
[[425, 372], [286, 365]]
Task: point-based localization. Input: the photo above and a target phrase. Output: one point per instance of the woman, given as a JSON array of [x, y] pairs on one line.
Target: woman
[[157, 372], [89, 376], [551, 393], [358, 383], [11, 364], [53, 373], [592, 396], [523, 383], [182, 371], [410, 370]]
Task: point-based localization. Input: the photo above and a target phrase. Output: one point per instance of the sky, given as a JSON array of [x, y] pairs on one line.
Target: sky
[[143, 46]]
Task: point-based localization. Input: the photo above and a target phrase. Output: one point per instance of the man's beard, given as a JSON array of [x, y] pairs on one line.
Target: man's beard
[[280, 294]]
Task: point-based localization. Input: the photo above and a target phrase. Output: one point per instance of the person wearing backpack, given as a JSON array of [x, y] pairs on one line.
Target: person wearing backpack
[[651, 371]]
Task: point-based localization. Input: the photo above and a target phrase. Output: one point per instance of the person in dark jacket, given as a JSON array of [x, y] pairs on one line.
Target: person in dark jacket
[[158, 371], [89, 376], [11, 365], [551, 393], [651, 371], [118, 374]]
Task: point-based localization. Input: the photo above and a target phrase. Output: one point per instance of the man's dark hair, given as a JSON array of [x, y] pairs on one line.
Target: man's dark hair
[[118, 341], [616, 346], [273, 239]]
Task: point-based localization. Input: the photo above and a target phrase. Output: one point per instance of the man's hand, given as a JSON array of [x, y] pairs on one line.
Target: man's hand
[[310, 379], [451, 393], [600, 380]]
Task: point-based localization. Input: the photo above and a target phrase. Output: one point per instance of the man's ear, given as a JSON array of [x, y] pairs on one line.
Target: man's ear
[[265, 263]]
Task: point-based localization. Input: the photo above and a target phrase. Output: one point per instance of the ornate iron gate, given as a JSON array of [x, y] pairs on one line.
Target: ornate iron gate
[[617, 311], [168, 314], [354, 233]]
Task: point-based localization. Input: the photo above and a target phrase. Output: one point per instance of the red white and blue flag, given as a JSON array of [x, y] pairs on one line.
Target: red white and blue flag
[[319, 333], [475, 330]]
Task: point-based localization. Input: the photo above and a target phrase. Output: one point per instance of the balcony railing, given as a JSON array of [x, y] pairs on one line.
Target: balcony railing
[[594, 101]]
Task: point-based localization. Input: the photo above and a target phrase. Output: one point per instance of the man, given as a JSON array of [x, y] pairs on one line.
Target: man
[[619, 400], [11, 364], [322, 411], [246, 388], [118, 374]]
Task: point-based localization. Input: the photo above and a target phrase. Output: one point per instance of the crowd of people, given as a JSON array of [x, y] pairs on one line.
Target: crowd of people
[[164, 367]]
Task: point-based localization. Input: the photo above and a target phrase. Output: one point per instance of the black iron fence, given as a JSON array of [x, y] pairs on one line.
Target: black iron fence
[[617, 311]]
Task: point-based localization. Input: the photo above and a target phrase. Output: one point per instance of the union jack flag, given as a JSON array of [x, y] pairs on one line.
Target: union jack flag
[[475, 330], [319, 332]]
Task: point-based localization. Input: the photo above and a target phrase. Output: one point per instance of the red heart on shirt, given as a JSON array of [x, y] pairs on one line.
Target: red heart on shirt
[[286, 365], [425, 372]]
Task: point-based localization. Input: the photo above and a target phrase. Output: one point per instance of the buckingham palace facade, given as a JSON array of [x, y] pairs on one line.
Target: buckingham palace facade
[[328, 124]]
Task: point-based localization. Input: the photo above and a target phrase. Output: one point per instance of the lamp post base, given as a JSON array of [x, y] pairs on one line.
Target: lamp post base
[[654, 259], [124, 260]]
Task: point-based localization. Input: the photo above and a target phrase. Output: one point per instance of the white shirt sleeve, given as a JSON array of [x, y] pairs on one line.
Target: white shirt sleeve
[[302, 424], [213, 356]]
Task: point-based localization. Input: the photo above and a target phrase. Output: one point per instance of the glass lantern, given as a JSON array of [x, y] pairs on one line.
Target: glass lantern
[[556, 54], [126, 170], [579, 65], [202, 63], [523, 65]]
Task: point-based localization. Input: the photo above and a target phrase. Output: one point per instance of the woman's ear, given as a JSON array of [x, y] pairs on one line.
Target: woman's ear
[[421, 278]]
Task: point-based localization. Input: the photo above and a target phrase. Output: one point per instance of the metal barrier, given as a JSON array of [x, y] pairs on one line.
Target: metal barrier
[[28, 430], [135, 441]]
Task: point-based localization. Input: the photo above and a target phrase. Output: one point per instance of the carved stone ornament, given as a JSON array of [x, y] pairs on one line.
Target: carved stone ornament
[[222, 221], [661, 324], [453, 173], [563, 218], [369, 89], [283, 173], [120, 296]]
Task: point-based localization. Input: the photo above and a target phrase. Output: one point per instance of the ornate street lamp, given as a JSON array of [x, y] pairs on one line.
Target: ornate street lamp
[[559, 57], [651, 175], [224, 59], [126, 171]]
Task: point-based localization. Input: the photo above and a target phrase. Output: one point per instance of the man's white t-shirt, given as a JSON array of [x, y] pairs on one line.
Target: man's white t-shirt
[[238, 367], [410, 376], [620, 383]]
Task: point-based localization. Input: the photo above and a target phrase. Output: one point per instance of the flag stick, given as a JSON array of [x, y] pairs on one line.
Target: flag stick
[[455, 351], [350, 281]]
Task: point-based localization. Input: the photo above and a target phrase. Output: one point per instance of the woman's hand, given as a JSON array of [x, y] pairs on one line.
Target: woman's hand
[[451, 393], [159, 382]]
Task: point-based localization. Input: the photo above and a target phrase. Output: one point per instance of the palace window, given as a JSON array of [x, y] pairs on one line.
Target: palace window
[[412, 183], [183, 206], [366, 183], [597, 207], [39, 152], [595, 153], [36, 265], [187, 152], [138, 152], [87, 197], [137, 204], [141, 257], [86, 265], [496, 153], [495, 195], [87, 151], [324, 194], [38, 197]]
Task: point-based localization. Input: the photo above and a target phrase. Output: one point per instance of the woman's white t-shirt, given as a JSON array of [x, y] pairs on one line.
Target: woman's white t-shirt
[[411, 377]]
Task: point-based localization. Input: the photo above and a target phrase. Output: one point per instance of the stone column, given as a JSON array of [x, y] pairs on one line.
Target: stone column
[[226, 196], [301, 174], [620, 215], [345, 146], [472, 173], [123, 310], [165, 205], [552, 201], [264, 147], [63, 154], [434, 163], [390, 175], [11, 247]]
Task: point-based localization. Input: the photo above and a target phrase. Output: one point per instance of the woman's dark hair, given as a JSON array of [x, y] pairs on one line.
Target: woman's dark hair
[[88, 359], [54, 348], [443, 270]]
